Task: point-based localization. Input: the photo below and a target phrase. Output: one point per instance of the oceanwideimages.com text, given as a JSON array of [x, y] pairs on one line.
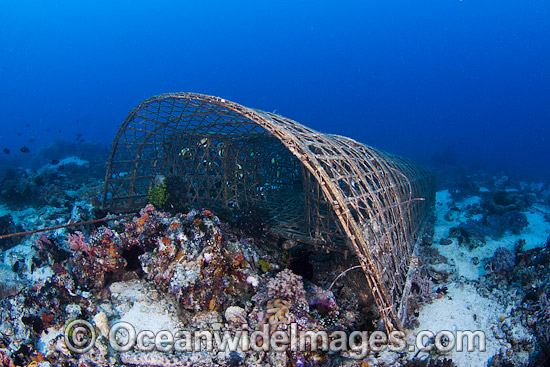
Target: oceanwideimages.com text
[[80, 336]]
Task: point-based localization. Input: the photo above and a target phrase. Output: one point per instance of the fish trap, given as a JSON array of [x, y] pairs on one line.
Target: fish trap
[[321, 189]]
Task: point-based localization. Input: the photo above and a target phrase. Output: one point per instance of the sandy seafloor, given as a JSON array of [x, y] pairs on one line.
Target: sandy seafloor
[[465, 304], [456, 310]]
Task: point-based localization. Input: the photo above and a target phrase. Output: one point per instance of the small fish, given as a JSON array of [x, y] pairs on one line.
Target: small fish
[[221, 150], [54, 162], [19, 133], [31, 140], [24, 150], [59, 131], [27, 125], [184, 151], [6, 151], [203, 142]]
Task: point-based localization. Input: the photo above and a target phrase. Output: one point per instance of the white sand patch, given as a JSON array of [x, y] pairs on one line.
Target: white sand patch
[[46, 337], [142, 309], [459, 256], [41, 275], [456, 312], [68, 160], [73, 160], [443, 204], [538, 230], [463, 308]]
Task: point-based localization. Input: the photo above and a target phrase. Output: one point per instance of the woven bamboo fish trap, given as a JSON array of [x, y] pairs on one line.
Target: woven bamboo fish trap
[[320, 189]]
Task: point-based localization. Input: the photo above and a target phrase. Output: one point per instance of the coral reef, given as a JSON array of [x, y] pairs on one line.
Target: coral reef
[[503, 201], [192, 261], [286, 285], [523, 285], [158, 359], [99, 261], [543, 314], [421, 292], [429, 363], [190, 270], [502, 262], [496, 225]]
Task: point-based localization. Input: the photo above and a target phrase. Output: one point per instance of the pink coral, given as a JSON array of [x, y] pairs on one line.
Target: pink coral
[[421, 288], [78, 242], [286, 285]]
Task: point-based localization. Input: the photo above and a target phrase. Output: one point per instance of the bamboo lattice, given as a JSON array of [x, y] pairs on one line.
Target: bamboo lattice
[[319, 188]]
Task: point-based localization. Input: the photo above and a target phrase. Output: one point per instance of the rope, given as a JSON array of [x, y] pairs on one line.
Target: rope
[[18, 234]]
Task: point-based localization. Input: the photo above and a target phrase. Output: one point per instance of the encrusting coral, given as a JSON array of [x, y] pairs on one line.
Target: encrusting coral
[[95, 260]]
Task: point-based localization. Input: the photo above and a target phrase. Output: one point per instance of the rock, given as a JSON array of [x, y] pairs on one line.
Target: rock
[[6, 227], [102, 323], [441, 271], [10, 284], [235, 315], [278, 359]]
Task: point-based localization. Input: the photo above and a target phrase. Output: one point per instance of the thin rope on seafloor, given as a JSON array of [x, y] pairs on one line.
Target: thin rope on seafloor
[[66, 226]]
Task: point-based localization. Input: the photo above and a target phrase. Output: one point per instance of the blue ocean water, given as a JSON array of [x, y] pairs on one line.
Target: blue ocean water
[[439, 81]]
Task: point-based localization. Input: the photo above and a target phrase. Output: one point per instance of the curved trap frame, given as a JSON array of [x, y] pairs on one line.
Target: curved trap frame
[[319, 188]]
